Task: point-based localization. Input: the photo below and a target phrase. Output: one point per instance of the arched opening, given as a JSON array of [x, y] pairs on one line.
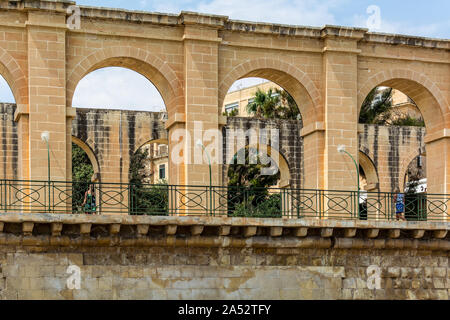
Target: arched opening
[[117, 88], [390, 107], [148, 176], [6, 94], [258, 103], [421, 100], [85, 172], [415, 178], [150, 164], [122, 103], [9, 165], [256, 177], [368, 175], [260, 98]]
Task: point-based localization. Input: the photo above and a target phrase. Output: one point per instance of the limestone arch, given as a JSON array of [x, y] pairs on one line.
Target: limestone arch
[[427, 96], [405, 164], [370, 171], [289, 77], [282, 163], [13, 75], [157, 71], [141, 143], [91, 156]]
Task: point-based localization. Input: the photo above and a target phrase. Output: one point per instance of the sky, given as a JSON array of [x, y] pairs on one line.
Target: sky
[[123, 89]]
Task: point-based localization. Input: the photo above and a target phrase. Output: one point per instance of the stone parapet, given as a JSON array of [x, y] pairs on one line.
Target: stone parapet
[[196, 231]]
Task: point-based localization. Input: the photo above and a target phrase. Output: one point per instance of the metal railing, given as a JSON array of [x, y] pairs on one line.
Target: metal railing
[[120, 199]]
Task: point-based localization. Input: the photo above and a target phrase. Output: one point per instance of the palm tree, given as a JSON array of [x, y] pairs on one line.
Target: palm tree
[[376, 107], [273, 104]]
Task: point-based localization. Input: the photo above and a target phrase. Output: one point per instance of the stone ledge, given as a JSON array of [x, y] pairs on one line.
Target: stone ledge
[[52, 229], [224, 22]]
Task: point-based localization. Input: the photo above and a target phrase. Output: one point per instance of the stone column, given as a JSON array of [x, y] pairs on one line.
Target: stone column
[[201, 112], [47, 94], [46, 34], [340, 63], [341, 111]]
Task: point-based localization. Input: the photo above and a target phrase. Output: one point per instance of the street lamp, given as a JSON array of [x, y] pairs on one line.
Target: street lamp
[[341, 149], [45, 136]]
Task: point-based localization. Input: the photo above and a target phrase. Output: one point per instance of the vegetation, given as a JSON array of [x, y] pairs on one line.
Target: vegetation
[[232, 113], [274, 104], [82, 172], [248, 194], [378, 109], [146, 199]]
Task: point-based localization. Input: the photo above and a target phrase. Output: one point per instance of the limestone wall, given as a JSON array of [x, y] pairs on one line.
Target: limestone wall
[[114, 135], [220, 258], [9, 154], [391, 150]]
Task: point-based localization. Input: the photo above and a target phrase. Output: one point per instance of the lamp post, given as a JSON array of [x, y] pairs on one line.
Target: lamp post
[[45, 136], [341, 149]]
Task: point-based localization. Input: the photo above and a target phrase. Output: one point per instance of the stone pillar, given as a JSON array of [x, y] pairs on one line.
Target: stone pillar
[[201, 90], [313, 158], [341, 112], [47, 95]]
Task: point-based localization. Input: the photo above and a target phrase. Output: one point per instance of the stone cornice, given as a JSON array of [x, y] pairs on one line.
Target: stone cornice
[[65, 230], [224, 23]]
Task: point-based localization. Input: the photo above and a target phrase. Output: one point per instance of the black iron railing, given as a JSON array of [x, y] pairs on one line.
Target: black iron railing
[[116, 198]]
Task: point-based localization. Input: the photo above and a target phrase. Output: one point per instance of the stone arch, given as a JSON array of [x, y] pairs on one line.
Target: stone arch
[[283, 165], [150, 66], [16, 79], [289, 77], [370, 171], [140, 143], [427, 96], [405, 163], [91, 155]]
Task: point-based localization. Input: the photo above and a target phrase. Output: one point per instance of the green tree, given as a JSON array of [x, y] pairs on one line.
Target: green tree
[[378, 109], [273, 104], [376, 106], [248, 193], [146, 199], [82, 172]]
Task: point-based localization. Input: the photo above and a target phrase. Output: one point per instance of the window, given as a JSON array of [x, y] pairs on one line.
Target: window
[[162, 149], [232, 106], [251, 100], [162, 171]]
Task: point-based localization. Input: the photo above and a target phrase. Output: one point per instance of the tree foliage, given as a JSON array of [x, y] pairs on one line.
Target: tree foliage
[[82, 171], [378, 109], [248, 193], [376, 106], [273, 104], [146, 199]]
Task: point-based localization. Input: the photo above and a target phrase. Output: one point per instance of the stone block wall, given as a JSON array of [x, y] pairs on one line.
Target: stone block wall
[[121, 259], [391, 150], [9, 150], [114, 135]]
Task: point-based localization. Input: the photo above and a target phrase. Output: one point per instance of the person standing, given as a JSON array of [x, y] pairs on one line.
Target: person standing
[[89, 201], [399, 201]]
